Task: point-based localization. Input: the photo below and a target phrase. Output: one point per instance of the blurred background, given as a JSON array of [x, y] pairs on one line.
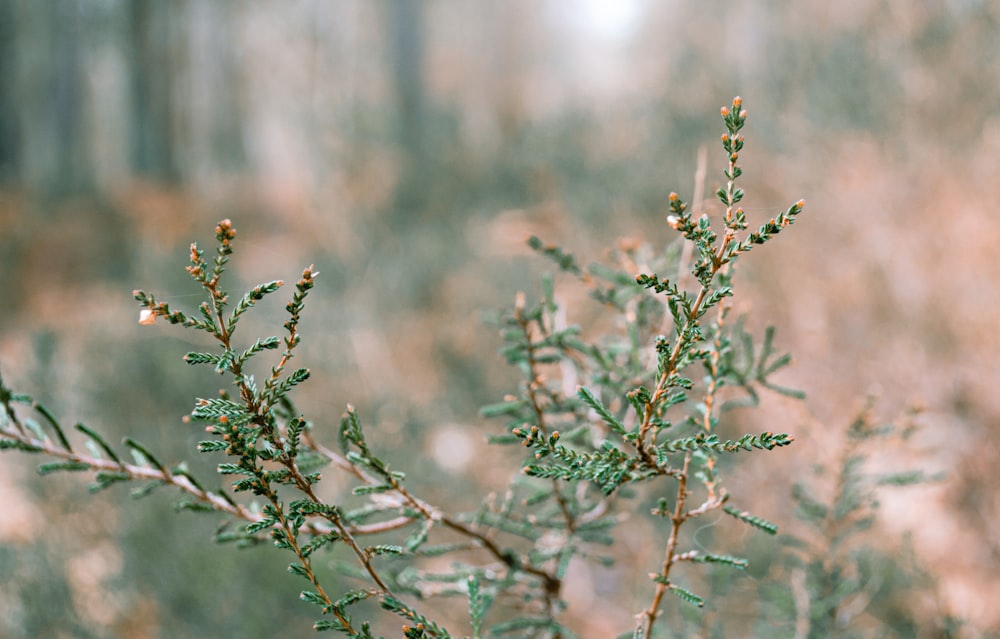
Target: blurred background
[[407, 149]]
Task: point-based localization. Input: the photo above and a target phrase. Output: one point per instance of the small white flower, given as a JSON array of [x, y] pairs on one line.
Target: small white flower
[[146, 317]]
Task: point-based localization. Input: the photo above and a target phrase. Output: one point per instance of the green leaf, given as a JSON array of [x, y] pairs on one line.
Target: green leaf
[[352, 597], [250, 298], [318, 542], [53, 467], [419, 536], [298, 569], [50, 418], [257, 526], [747, 518], [764, 441], [609, 419], [313, 597], [142, 491], [13, 444], [275, 391], [479, 603], [686, 595], [906, 478], [93, 435], [36, 429], [212, 409], [294, 431], [564, 260], [202, 358], [212, 445], [329, 624], [266, 343], [728, 560], [193, 505], [371, 490], [308, 507], [105, 480], [234, 469]]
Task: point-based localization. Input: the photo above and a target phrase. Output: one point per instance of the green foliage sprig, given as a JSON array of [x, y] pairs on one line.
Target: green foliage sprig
[[632, 395], [603, 421], [837, 584]]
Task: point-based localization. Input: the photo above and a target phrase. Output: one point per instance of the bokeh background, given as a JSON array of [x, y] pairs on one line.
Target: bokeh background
[[407, 149]]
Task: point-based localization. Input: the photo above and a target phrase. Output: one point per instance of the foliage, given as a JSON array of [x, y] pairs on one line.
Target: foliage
[[638, 412], [839, 586]]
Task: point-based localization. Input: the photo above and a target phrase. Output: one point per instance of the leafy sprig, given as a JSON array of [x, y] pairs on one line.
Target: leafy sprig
[[637, 388], [600, 420]]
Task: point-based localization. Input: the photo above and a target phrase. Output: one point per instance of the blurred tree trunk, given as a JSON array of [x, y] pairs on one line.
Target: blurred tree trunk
[[213, 108], [229, 152], [513, 44], [43, 48], [406, 33], [152, 67], [72, 169], [10, 135], [406, 44]]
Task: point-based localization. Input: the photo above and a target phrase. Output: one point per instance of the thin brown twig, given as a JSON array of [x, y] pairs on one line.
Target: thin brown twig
[[134, 471]]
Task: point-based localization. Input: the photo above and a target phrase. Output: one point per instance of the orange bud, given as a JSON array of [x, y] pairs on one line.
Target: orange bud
[[737, 101], [673, 197], [725, 112]]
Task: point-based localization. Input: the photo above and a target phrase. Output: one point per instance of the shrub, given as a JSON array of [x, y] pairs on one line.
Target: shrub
[[630, 423]]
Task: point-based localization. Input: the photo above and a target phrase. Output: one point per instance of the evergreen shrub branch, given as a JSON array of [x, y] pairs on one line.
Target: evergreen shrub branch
[[636, 412], [838, 584]]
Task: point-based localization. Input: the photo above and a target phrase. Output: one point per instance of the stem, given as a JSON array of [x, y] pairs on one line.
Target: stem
[[533, 383], [676, 520], [267, 428], [681, 344], [432, 513], [134, 471], [646, 440]]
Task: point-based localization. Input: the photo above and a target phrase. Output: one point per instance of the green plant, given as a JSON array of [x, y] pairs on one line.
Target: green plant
[[634, 414], [841, 586]]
